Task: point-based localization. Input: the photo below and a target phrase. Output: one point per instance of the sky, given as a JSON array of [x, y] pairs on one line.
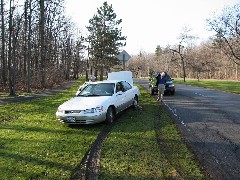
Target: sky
[[148, 23]]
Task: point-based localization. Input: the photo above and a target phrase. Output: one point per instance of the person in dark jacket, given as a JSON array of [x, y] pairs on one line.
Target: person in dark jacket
[[161, 80]]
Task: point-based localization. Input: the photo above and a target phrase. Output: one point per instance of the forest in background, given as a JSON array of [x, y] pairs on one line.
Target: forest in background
[[41, 47], [216, 58]]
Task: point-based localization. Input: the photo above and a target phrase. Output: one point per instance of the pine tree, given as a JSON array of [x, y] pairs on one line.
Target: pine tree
[[105, 38]]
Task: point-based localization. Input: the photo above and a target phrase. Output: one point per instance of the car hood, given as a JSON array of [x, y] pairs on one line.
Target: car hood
[[82, 103]]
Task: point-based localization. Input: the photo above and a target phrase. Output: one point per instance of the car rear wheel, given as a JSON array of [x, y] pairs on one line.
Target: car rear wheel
[[110, 115], [135, 102]]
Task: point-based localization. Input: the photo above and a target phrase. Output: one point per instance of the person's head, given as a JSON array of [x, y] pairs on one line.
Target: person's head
[[163, 74], [119, 87]]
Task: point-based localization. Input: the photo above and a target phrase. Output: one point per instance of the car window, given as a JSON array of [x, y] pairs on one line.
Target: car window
[[101, 89], [107, 88], [119, 87], [126, 86]]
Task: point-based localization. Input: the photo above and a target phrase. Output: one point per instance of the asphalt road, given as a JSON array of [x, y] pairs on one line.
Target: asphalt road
[[209, 121]]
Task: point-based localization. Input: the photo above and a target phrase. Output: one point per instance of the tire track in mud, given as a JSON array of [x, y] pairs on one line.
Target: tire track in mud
[[89, 165]]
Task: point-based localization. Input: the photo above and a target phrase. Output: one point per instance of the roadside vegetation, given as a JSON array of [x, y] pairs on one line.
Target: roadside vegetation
[[143, 144], [222, 85]]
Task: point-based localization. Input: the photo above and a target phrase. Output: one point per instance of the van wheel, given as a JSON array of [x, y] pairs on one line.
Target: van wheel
[[110, 117]]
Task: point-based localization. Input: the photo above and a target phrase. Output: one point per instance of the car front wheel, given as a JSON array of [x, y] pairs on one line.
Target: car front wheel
[[110, 115]]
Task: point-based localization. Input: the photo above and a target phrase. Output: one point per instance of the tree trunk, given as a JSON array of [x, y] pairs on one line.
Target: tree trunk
[[42, 43], [183, 68], [101, 73], [29, 48], [25, 50], [10, 70], [4, 63]]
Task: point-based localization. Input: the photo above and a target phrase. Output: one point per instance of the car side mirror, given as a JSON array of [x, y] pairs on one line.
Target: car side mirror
[[119, 93]]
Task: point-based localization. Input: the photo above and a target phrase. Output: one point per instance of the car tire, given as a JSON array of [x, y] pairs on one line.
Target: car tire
[[135, 102], [110, 117], [151, 91]]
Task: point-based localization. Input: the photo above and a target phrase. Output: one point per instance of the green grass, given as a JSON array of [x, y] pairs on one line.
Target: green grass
[[34, 145], [222, 85], [19, 93], [142, 146]]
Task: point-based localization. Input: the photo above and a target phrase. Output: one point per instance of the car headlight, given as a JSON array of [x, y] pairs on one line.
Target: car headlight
[[60, 110], [171, 85], [93, 110]]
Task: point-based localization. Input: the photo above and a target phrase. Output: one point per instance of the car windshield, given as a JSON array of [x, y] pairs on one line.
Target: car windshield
[[168, 80], [100, 89]]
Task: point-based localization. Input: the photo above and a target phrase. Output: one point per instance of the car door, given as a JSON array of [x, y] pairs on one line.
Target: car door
[[127, 88], [120, 99]]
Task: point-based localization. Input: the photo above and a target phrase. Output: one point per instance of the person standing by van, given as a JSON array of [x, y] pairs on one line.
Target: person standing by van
[[161, 80]]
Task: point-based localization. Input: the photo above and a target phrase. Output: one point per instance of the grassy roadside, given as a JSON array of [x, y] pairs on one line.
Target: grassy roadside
[[34, 145], [222, 85], [143, 144], [146, 145]]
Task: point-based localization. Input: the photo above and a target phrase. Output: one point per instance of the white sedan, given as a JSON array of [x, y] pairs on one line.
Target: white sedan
[[100, 101]]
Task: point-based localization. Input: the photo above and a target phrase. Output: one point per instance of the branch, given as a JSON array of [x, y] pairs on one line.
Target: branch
[[231, 49]]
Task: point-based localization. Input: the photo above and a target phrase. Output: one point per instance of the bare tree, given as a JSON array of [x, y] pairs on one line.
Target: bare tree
[[10, 49], [3, 57], [179, 51], [185, 40], [227, 28], [78, 55], [27, 52], [42, 42]]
